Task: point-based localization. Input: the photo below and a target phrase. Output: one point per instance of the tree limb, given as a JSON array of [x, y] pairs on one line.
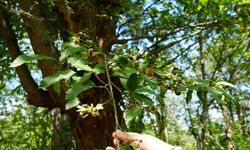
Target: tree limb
[[36, 97], [42, 43], [158, 49], [136, 17], [67, 12]]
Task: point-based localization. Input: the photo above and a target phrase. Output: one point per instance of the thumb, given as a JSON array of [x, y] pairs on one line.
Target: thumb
[[126, 136]]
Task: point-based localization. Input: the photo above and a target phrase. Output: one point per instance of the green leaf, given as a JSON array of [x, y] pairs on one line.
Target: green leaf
[[215, 93], [219, 89], [75, 90], [145, 90], [123, 61], [57, 87], [85, 77], [73, 48], [47, 81], [64, 55], [80, 64], [99, 68], [21, 59], [189, 96], [130, 114], [132, 82], [223, 83], [127, 71], [78, 80], [200, 83], [124, 82], [124, 147], [143, 99], [74, 102]]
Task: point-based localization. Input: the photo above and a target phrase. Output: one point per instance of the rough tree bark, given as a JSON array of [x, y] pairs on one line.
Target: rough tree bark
[[91, 132]]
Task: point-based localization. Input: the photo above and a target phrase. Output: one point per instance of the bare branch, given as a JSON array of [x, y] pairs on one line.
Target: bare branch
[[158, 49], [23, 13], [182, 51], [136, 17], [163, 35]]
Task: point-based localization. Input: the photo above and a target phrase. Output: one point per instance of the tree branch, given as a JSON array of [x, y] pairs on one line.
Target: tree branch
[[42, 43], [67, 12], [182, 51], [36, 97], [136, 17], [158, 49], [164, 35]]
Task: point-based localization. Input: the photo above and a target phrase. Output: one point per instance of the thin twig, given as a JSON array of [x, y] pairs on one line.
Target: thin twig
[[136, 17], [101, 80], [111, 92], [116, 87]]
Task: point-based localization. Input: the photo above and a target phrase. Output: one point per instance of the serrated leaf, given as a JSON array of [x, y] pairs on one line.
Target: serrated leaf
[[75, 90], [74, 102], [21, 59], [47, 81], [143, 99], [223, 83], [132, 82], [80, 64], [132, 113]]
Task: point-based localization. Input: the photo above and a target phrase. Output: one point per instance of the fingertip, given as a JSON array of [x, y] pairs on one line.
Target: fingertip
[[116, 142], [114, 134]]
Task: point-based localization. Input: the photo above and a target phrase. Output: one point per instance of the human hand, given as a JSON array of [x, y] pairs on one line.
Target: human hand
[[142, 141]]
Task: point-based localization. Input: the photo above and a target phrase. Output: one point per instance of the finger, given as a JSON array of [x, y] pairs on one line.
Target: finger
[[114, 134], [116, 142], [126, 136], [122, 136]]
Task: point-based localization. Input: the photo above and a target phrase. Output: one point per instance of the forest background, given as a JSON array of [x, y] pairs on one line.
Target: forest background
[[73, 71]]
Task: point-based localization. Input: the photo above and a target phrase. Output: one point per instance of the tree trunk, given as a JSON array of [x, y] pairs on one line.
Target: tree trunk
[[62, 136], [203, 118], [95, 132], [228, 129]]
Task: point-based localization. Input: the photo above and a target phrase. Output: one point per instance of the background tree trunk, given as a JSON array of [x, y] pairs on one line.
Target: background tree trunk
[[62, 135]]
